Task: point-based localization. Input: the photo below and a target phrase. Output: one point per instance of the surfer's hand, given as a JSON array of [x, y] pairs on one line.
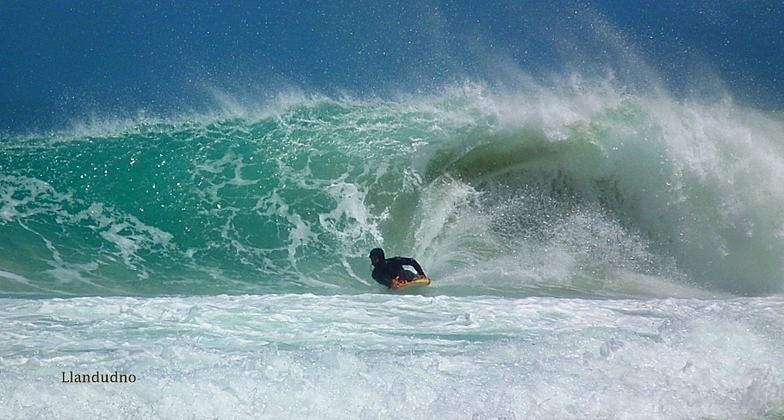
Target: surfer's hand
[[397, 281]]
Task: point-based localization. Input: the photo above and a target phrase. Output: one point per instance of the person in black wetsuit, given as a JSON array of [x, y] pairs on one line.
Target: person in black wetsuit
[[390, 271]]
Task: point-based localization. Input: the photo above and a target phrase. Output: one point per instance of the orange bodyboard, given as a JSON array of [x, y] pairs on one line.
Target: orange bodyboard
[[419, 281]]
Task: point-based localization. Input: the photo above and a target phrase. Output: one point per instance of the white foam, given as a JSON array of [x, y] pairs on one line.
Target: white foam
[[376, 356]]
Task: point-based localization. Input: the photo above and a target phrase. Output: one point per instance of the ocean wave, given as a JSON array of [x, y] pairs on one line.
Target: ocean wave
[[578, 189]]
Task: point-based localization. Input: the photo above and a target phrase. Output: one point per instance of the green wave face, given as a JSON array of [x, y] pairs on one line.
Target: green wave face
[[610, 195]]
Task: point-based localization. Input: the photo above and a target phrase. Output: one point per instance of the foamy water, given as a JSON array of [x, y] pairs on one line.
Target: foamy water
[[377, 356]]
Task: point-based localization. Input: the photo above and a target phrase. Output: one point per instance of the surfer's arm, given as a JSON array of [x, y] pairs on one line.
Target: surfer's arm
[[413, 263], [382, 278]]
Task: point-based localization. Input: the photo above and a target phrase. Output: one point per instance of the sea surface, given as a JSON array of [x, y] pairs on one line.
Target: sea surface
[[189, 193]]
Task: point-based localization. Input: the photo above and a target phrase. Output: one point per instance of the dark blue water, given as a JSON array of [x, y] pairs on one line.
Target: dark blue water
[[61, 61]]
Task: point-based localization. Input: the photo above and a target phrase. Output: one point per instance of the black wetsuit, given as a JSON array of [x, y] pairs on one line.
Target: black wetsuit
[[392, 268]]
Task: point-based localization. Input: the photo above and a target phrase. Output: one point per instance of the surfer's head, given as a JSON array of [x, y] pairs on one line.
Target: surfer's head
[[376, 255]]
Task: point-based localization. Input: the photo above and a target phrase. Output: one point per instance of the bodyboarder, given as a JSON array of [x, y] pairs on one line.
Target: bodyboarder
[[390, 271]]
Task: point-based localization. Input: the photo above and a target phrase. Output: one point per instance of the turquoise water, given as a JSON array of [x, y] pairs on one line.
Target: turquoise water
[[518, 195], [595, 254]]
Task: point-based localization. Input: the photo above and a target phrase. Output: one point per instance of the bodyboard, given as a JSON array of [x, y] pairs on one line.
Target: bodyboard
[[419, 281]]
